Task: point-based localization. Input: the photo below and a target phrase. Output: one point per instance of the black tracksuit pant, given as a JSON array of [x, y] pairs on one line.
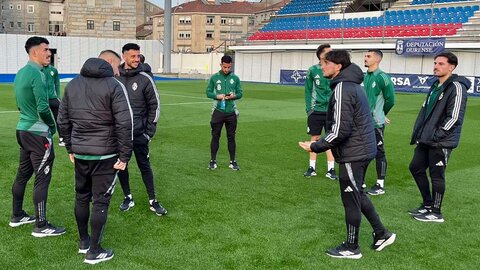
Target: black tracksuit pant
[[217, 121], [36, 156], [356, 202], [380, 158], [435, 159], [142, 156], [94, 179]]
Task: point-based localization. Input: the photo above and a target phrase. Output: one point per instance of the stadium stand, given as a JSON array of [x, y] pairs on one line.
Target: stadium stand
[[414, 20]]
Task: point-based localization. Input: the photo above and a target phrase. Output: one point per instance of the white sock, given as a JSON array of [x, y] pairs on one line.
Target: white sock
[[313, 163], [380, 182], [331, 165], [151, 201], [130, 196]]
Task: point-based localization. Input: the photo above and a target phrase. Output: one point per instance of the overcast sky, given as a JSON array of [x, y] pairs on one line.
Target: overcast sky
[[177, 2]]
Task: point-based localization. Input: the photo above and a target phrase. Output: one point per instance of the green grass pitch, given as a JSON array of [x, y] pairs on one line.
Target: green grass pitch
[[265, 216]]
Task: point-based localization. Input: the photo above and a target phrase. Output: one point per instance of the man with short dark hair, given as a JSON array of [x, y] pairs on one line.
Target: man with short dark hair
[[145, 103], [352, 140], [381, 98], [224, 88], [436, 133], [35, 130], [317, 95], [95, 121]]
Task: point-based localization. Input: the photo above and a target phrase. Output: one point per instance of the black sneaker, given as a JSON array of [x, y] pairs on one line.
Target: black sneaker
[[386, 239], [156, 207], [23, 219], [423, 209], [101, 256], [83, 246], [212, 165], [376, 190], [234, 166], [48, 230], [331, 174], [430, 217], [127, 203], [310, 172], [344, 252]]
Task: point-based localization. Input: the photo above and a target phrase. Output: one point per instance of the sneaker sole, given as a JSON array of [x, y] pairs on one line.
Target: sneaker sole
[[376, 193], [130, 205], [355, 257], [233, 168], [429, 220], [387, 243], [310, 175], [17, 224], [153, 210], [330, 177], [40, 235], [98, 260]]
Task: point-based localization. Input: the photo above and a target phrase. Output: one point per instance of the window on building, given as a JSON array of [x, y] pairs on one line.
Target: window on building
[[11, 6], [116, 25], [90, 3], [238, 21], [184, 35], [90, 24], [55, 12], [185, 20], [209, 35], [19, 24], [30, 9], [19, 7], [181, 20], [31, 27], [210, 20], [223, 21], [12, 24], [117, 3]]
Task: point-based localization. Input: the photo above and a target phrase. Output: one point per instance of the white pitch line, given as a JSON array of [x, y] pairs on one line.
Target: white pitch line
[[8, 111], [163, 94], [184, 103]]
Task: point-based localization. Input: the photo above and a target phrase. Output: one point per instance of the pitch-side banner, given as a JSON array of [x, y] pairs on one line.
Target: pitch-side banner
[[402, 82], [420, 46]]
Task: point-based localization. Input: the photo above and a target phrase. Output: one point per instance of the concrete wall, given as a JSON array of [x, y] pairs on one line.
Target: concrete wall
[[72, 51]]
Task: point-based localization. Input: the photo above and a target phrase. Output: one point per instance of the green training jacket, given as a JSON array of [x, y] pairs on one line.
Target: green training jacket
[[380, 93], [317, 90], [32, 101], [52, 81], [220, 83]]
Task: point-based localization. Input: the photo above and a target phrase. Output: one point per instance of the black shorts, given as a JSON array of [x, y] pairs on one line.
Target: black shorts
[[316, 122]]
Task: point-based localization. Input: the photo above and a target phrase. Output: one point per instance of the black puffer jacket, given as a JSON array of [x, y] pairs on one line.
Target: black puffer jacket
[[144, 100], [94, 116], [441, 128], [148, 69], [351, 130]]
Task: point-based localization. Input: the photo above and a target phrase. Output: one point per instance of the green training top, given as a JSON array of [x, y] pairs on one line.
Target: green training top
[[380, 93], [436, 90], [52, 81], [317, 90], [220, 83], [32, 101]]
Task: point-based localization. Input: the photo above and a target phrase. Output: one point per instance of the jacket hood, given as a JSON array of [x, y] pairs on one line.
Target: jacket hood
[[461, 80], [130, 72], [352, 73], [146, 67], [96, 68]]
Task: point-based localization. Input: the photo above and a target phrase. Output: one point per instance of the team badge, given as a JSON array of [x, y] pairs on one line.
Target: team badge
[[46, 170], [374, 84], [219, 87], [51, 73], [232, 81], [441, 96], [134, 86]]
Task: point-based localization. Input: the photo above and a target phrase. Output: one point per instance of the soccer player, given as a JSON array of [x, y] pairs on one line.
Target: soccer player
[[146, 67], [95, 121], [317, 95], [35, 130], [352, 140], [436, 133], [145, 103], [224, 88], [381, 98], [53, 88]]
